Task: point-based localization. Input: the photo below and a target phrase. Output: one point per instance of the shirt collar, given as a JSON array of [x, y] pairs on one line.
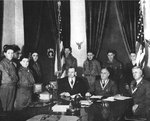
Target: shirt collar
[[71, 79], [7, 60], [105, 81], [139, 80]]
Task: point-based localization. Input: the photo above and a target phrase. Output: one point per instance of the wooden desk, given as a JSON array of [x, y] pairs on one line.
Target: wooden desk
[[108, 111], [26, 113], [96, 112]]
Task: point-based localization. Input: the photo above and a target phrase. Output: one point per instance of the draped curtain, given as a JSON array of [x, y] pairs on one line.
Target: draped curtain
[[40, 25], [1, 21], [127, 14], [41, 32], [96, 12]]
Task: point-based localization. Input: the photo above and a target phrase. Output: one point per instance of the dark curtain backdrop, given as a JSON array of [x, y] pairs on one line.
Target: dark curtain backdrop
[[127, 14], [96, 12], [112, 38], [41, 30], [39, 25], [1, 22], [65, 15]]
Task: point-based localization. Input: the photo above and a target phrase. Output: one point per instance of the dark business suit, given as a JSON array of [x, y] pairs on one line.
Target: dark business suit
[[36, 71], [109, 90], [128, 72], [80, 86], [141, 96], [96, 112]]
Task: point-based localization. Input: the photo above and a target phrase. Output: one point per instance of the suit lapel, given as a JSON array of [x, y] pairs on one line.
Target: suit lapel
[[68, 84], [76, 83], [137, 87]]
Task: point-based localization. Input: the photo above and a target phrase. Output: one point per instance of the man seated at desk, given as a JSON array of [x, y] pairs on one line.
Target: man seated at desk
[[72, 84], [140, 91], [104, 87]]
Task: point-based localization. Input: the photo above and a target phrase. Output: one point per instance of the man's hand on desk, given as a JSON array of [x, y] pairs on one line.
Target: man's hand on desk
[[88, 94], [134, 108], [127, 87]]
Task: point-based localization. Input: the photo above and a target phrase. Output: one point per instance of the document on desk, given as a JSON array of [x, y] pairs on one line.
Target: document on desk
[[85, 103], [60, 108], [109, 99], [69, 118], [120, 97], [96, 97]]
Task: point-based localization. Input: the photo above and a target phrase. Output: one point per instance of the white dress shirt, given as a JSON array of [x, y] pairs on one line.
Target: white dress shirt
[[70, 80]]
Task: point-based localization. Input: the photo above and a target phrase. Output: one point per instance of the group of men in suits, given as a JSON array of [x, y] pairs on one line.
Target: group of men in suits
[[139, 88]]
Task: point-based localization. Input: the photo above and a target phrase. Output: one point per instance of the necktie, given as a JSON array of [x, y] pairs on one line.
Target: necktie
[[135, 84], [103, 83], [71, 82]]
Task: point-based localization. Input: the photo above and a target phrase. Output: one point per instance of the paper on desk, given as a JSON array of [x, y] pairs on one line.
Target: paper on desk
[[60, 108], [120, 97], [36, 118], [85, 103], [69, 118], [111, 99], [96, 96]]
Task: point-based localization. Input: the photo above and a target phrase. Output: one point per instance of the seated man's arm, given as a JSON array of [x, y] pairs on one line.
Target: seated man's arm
[[84, 86], [60, 86], [114, 89], [147, 100]]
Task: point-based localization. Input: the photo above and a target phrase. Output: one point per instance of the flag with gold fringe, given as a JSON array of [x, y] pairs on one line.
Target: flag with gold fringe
[[140, 42]]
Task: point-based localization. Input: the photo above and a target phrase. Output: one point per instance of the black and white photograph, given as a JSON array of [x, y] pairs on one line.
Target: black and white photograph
[[74, 60]]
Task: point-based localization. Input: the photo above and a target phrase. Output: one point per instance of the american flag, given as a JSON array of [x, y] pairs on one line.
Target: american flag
[[140, 42], [59, 44]]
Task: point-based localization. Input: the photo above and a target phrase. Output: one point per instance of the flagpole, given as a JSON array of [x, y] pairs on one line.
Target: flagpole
[[58, 66]]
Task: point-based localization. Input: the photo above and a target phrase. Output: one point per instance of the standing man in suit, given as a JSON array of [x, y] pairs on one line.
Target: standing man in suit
[[140, 91], [72, 84], [36, 67]]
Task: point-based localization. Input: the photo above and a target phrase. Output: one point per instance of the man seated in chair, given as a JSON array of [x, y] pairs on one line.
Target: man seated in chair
[[140, 91], [72, 84], [104, 87]]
